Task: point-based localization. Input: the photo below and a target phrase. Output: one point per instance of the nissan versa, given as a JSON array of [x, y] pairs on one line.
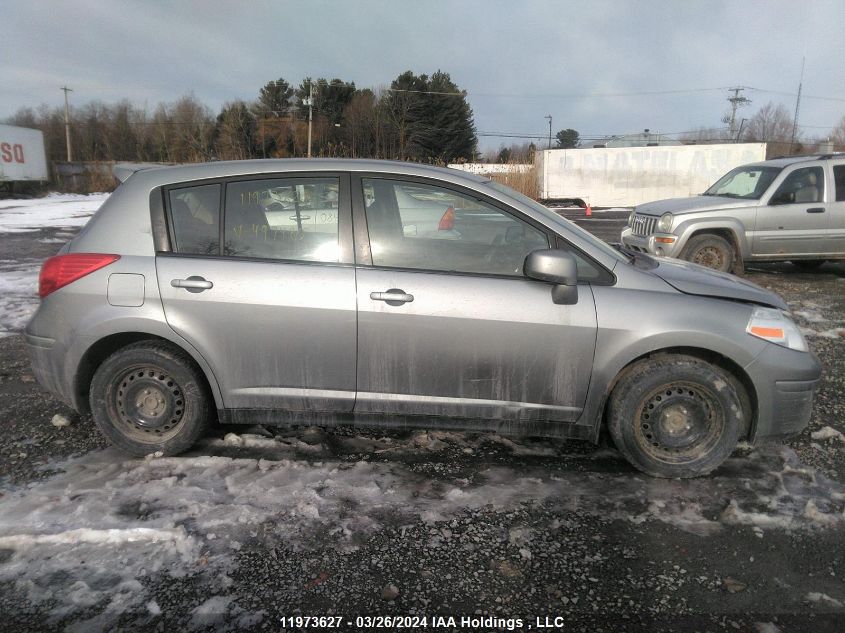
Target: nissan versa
[[384, 293]]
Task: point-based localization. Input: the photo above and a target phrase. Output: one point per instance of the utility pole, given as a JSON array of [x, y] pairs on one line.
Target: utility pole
[[797, 106], [736, 101], [310, 102], [549, 117], [67, 124]]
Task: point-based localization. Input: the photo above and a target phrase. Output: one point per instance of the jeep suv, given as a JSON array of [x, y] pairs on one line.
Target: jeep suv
[[782, 209], [186, 300]]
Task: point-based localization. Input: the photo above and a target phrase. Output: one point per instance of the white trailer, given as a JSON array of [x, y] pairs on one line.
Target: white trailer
[[627, 176], [22, 156]]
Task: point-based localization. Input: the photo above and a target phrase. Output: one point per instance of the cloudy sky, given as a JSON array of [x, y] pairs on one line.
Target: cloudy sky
[[600, 67]]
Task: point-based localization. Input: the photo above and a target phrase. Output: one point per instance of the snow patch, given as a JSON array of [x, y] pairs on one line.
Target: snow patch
[[828, 433], [18, 294], [54, 210], [87, 536]]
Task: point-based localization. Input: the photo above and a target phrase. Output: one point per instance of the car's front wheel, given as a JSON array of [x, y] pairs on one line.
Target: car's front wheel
[[149, 397], [675, 416], [710, 250]]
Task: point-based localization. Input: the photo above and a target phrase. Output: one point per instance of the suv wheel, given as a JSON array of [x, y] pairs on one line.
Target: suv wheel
[[149, 397], [710, 250], [675, 416]]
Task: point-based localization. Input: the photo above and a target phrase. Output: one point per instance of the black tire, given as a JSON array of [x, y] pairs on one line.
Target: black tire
[[807, 264], [149, 397], [711, 251], [676, 416]]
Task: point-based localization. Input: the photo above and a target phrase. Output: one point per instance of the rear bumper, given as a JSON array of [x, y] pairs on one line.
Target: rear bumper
[[48, 365], [785, 381]]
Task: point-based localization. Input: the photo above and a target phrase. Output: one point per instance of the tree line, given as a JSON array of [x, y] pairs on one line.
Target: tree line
[[418, 118]]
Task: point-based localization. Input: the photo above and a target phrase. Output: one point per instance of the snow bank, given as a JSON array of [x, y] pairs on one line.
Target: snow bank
[[66, 209]]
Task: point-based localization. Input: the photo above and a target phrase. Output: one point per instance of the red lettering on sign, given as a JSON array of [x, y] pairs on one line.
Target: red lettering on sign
[[18, 150], [6, 152]]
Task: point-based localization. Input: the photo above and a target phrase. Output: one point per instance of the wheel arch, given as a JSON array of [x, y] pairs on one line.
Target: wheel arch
[[748, 396], [104, 347]]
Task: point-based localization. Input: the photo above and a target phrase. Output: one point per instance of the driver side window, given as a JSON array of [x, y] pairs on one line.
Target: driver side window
[[801, 186], [420, 226]]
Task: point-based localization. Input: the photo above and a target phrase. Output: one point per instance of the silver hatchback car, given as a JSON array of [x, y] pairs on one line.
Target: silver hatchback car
[[304, 292]]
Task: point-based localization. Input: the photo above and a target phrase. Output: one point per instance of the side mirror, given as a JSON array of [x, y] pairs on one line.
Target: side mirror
[[558, 267]]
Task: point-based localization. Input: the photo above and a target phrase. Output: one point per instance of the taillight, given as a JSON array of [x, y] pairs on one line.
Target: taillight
[[447, 222], [61, 270]]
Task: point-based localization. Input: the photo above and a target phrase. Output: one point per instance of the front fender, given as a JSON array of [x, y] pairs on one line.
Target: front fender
[[687, 228], [635, 323]]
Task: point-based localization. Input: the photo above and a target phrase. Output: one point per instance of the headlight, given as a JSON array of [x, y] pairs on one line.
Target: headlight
[[631, 218], [776, 327], [664, 224]]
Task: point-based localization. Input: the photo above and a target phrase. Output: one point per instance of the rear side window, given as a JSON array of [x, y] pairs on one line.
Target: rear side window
[[839, 177], [195, 219], [283, 218]]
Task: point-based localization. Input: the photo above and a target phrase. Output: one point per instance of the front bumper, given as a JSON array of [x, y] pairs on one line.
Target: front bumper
[[785, 381], [658, 244]]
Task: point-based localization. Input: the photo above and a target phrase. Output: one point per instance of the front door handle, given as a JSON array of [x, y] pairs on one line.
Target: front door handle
[[392, 297], [192, 284], [816, 210]]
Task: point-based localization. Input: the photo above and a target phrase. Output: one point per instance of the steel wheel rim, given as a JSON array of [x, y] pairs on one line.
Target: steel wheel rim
[[150, 404], [710, 256], [679, 422]]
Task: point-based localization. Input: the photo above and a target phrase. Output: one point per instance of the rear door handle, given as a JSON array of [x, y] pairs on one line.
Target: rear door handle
[[392, 297], [192, 284], [816, 210]]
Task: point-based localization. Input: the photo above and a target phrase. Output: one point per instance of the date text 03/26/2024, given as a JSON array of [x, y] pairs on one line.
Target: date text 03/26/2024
[[421, 622]]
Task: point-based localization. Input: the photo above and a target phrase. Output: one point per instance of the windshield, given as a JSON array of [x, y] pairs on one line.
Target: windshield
[[748, 182], [545, 211]]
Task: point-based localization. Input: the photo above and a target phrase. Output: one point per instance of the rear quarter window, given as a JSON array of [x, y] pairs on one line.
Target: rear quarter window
[[195, 219]]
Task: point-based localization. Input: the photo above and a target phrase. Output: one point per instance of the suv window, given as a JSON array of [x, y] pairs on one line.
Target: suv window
[[744, 182], [195, 219], [283, 218], [802, 185], [422, 226], [839, 178]]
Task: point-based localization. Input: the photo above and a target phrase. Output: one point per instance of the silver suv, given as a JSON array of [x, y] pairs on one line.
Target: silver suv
[[783, 209], [202, 293]]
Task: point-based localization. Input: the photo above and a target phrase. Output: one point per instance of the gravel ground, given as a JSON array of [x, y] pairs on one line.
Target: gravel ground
[[584, 538]]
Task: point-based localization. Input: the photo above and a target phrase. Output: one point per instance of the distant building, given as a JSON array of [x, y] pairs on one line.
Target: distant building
[[641, 139]]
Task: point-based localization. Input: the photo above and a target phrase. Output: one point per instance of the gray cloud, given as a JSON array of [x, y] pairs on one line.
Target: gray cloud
[[519, 61]]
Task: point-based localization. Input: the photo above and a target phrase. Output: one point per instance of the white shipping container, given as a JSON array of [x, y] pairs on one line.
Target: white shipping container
[[22, 154], [627, 176]]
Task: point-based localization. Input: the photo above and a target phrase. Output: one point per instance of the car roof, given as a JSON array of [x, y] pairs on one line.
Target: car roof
[[154, 175], [785, 161]]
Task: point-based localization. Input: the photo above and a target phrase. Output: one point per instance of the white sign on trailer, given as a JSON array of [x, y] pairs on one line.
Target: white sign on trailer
[[22, 154], [627, 176]]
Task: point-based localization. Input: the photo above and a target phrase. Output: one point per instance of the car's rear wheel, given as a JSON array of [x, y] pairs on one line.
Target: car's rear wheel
[[807, 264], [149, 397], [712, 251], [675, 416]]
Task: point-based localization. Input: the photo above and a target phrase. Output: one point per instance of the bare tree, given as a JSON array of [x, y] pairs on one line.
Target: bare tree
[[837, 135], [772, 124]]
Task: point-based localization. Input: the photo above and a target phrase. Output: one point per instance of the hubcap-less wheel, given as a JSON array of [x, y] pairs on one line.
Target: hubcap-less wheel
[[710, 256], [679, 421], [149, 397], [673, 415], [150, 403]]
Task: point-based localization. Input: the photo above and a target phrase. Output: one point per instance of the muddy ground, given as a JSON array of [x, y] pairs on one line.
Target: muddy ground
[[360, 523]]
